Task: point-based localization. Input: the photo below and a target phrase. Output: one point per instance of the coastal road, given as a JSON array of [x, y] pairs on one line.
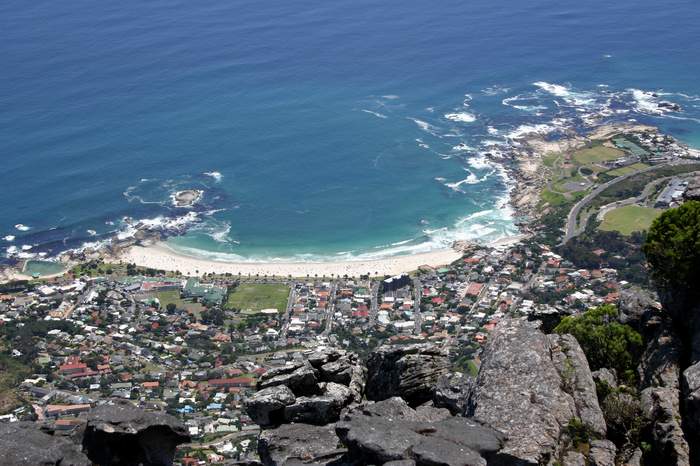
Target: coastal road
[[287, 315], [572, 226], [417, 316], [373, 307], [330, 312]]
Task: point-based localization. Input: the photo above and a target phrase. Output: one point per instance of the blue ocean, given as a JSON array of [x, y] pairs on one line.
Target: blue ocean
[[315, 129]]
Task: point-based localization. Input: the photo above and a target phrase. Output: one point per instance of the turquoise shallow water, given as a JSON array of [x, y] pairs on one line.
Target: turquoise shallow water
[[316, 129]]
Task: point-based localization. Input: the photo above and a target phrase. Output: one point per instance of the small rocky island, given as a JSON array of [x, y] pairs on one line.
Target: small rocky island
[[187, 198]]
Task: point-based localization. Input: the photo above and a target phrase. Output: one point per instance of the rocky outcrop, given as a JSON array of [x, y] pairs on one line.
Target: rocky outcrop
[[119, 433], [659, 365], [635, 304], [313, 391], [602, 453], [391, 430], [453, 392], [691, 401], [24, 444], [660, 407], [266, 407], [520, 390], [577, 380], [607, 376], [408, 371], [300, 444], [300, 378]]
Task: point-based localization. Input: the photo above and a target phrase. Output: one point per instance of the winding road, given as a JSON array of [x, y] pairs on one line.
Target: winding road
[[573, 228]]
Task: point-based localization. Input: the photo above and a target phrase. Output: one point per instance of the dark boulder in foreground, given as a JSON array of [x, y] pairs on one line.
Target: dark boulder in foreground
[[300, 444], [24, 444], [408, 371], [120, 433], [390, 430], [453, 392]]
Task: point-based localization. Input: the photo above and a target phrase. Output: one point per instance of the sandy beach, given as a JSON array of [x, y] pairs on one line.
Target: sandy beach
[[160, 256]]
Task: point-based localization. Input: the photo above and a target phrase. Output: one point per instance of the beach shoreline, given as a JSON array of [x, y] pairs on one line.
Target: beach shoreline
[[160, 256]]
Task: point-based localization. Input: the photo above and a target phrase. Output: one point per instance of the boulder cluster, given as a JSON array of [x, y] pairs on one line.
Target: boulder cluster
[[406, 407], [116, 433]]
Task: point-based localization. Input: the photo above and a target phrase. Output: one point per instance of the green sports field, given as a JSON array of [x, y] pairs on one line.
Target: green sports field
[[256, 297], [629, 218]]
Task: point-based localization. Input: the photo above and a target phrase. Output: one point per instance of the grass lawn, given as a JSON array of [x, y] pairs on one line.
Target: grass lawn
[[629, 218], [168, 297], [628, 169], [552, 198], [12, 372], [256, 297], [596, 154]]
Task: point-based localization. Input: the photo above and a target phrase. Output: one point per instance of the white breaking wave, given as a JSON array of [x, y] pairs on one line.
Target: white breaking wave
[[221, 235], [22, 227], [566, 94], [377, 114], [9, 238], [524, 130], [509, 102], [462, 147], [645, 102], [470, 179], [425, 126], [462, 117], [91, 232], [495, 90], [216, 175]]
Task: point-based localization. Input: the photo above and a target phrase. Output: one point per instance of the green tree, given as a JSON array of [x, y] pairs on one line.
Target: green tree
[[673, 248], [605, 341]]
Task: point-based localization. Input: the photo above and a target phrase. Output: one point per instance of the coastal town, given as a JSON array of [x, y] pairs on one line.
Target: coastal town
[[196, 344]]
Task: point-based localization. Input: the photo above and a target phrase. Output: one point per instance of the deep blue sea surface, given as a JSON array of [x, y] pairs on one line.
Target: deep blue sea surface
[[315, 128]]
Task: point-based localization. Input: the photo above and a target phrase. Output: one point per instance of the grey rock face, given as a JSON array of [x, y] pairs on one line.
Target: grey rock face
[[120, 433], [609, 376], [660, 407], [301, 379], [635, 304], [575, 374], [318, 410], [24, 444], [659, 365], [574, 458], [295, 444], [519, 391], [602, 453], [321, 356], [453, 391], [691, 400], [390, 430], [266, 407], [408, 371], [337, 371]]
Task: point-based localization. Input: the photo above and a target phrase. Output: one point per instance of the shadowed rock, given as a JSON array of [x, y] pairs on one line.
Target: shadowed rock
[[120, 433], [296, 444], [660, 407], [24, 444], [301, 379], [266, 407], [453, 391], [390, 430], [408, 371]]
